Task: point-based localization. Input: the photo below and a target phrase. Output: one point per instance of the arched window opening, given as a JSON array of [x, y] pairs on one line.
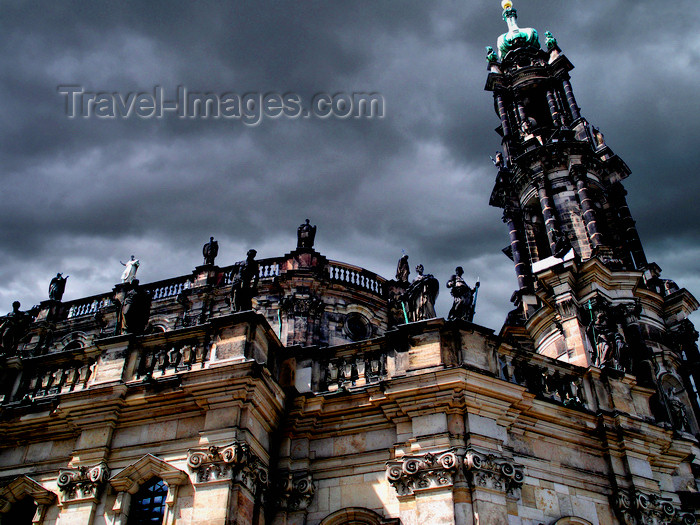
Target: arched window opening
[[358, 516], [148, 504], [74, 345]]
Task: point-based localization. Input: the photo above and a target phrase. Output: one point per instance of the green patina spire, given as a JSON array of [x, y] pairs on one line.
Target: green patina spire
[[516, 36]]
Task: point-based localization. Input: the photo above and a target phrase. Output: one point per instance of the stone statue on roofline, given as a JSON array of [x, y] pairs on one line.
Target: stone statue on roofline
[[464, 297], [402, 269], [245, 284], [13, 328], [136, 309], [57, 286], [421, 295], [305, 236], [130, 268], [210, 250]]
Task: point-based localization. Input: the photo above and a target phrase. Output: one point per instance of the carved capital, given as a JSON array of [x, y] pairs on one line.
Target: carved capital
[[417, 472], [296, 490], [494, 473], [638, 508], [233, 462], [82, 482]]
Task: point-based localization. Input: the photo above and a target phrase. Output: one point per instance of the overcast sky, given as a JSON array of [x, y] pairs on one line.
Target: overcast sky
[[80, 194]]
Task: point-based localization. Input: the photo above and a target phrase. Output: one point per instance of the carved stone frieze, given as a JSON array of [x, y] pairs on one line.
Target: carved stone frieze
[[424, 471], [82, 482], [303, 305], [493, 472], [296, 490], [637, 508], [233, 462]]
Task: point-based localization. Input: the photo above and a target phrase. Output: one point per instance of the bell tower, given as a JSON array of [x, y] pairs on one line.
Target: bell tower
[[586, 292], [558, 183]]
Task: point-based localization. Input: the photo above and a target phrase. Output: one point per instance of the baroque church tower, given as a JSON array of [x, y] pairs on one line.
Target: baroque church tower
[[586, 292]]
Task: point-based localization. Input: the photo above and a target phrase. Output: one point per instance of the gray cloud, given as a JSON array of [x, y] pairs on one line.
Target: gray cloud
[[79, 194]]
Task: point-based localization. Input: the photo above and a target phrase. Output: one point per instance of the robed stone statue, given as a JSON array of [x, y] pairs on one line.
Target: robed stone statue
[[136, 309], [129, 272], [57, 286], [420, 296], [402, 269], [245, 284], [464, 297]]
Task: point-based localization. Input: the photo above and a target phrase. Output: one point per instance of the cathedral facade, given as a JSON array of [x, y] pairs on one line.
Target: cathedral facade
[[299, 390]]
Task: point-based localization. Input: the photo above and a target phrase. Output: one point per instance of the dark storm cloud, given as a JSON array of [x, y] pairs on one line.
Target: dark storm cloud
[[79, 194]]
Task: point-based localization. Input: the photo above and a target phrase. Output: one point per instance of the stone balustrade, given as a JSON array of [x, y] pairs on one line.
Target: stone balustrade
[[356, 277], [54, 380], [345, 371], [546, 378], [169, 287], [88, 305], [269, 268], [165, 360]]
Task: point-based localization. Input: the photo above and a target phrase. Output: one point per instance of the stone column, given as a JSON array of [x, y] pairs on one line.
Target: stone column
[[587, 210], [553, 110], [570, 100], [503, 114], [522, 117], [550, 220], [521, 266], [629, 230]]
